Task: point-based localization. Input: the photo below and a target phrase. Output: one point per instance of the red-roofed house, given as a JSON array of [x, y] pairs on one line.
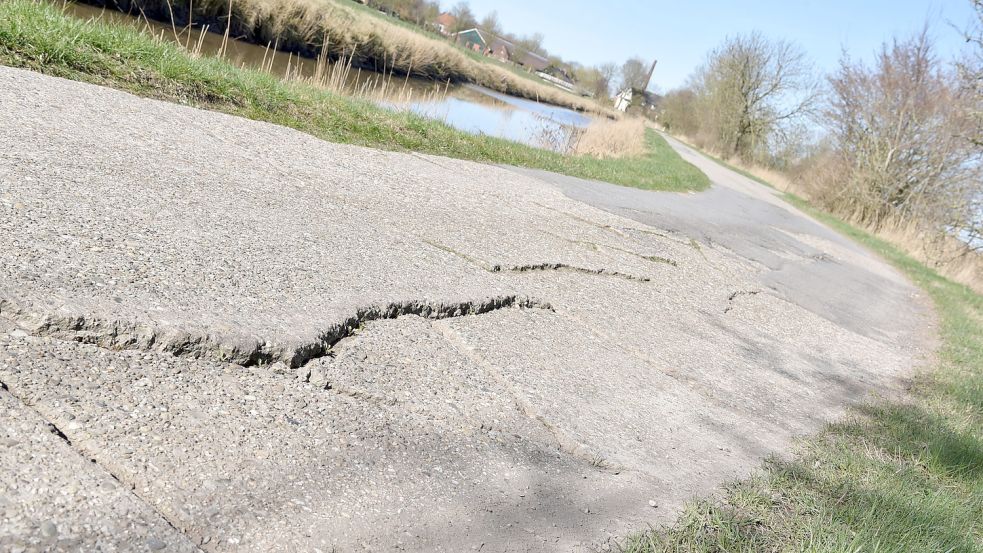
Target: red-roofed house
[[491, 45], [445, 22]]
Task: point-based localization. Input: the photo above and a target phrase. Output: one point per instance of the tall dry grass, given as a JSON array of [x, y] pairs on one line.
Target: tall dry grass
[[606, 138], [311, 28], [948, 255], [341, 77]]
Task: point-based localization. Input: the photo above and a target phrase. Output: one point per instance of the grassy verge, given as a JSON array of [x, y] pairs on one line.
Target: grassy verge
[[40, 37], [720, 161], [893, 477]]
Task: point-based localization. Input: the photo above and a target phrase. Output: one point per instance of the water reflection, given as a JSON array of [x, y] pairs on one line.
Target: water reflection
[[469, 108], [479, 110]]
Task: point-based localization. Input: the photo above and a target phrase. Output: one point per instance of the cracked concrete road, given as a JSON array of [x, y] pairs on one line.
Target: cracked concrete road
[[224, 335]]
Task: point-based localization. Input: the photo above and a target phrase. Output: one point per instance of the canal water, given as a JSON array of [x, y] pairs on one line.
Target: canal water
[[478, 110], [470, 108]]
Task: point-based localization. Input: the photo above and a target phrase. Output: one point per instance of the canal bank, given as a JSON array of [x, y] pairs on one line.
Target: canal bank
[[41, 37], [467, 107], [346, 30]]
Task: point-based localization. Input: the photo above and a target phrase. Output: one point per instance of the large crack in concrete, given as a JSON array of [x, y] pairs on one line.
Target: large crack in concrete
[[129, 335], [121, 335]]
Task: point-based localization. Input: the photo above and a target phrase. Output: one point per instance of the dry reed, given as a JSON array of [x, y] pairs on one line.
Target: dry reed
[[606, 138], [337, 77]]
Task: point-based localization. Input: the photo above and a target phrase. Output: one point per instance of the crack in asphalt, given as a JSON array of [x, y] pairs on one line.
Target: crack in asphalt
[[565, 267], [596, 246], [733, 296], [427, 310], [126, 335], [546, 266]]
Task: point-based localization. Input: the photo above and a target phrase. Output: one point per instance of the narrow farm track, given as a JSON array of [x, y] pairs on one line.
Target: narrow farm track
[[247, 339]]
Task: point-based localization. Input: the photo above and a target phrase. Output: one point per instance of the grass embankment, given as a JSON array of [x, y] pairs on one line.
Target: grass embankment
[[306, 27], [893, 477], [41, 37], [511, 67]]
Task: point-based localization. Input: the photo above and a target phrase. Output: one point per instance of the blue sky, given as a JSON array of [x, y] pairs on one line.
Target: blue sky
[[679, 33]]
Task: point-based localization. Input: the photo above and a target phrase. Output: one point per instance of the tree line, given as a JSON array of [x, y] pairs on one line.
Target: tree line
[[897, 139]]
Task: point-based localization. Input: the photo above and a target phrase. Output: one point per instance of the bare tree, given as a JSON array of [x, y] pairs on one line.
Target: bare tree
[[678, 112], [749, 99], [490, 23], [531, 43], [634, 73], [608, 71], [971, 70], [899, 132], [464, 17], [595, 80], [752, 88]]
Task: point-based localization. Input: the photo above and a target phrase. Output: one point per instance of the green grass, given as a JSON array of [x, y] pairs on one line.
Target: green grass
[[893, 477], [40, 37]]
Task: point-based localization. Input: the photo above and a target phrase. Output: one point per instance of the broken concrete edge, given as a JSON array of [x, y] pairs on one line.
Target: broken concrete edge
[[565, 267], [240, 350], [116, 335]]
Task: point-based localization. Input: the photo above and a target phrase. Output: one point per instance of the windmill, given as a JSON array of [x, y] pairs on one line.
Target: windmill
[[625, 98]]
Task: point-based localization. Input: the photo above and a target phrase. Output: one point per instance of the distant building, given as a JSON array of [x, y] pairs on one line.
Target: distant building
[[640, 98], [497, 47], [486, 43], [559, 79], [636, 99], [622, 100], [445, 23], [533, 61], [500, 48], [472, 39]]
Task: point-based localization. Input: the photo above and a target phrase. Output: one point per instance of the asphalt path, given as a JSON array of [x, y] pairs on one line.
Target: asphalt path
[[225, 335]]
